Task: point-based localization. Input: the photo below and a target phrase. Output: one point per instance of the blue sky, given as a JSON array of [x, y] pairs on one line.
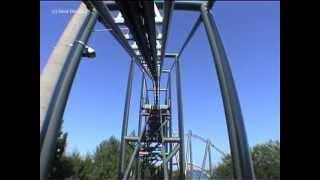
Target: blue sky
[[251, 36]]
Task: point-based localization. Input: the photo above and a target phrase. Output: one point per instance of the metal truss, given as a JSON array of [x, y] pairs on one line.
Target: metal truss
[[155, 145]]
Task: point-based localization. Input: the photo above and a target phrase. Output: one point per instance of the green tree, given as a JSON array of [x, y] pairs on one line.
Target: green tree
[[88, 167], [61, 168], [266, 162], [224, 169], [102, 165], [106, 159], [81, 167]]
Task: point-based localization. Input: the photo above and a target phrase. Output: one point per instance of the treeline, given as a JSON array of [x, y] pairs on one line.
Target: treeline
[[265, 159], [102, 164]]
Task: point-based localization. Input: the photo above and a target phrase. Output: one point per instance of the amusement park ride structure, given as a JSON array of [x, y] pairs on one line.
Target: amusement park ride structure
[[155, 146]]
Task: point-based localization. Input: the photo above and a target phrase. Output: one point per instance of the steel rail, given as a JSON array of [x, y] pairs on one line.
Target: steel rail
[[107, 20]]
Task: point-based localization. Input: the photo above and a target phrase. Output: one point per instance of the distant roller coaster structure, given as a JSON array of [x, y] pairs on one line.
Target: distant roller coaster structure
[[145, 40], [207, 157]]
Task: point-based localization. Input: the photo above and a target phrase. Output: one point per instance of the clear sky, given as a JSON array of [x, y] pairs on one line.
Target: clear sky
[[251, 35]]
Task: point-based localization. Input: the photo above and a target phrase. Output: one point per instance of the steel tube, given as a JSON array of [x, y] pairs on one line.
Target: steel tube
[[199, 137], [55, 66], [108, 22], [167, 98], [204, 159], [166, 93], [146, 92], [140, 122], [190, 147], [187, 151], [219, 150], [121, 162], [134, 21], [151, 27], [170, 127], [165, 167], [167, 9], [126, 173], [203, 140], [165, 171], [193, 30], [62, 92], [210, 159], [143, 86], [47, 153], [242, 162], [174, 152], [180, 120], [171, 55], [170, 100]]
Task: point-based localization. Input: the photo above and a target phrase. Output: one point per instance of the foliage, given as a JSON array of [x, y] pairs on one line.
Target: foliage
[[106, 159], [81, 167], [224, 169], [61, 167], [266, 162], [103, 163]]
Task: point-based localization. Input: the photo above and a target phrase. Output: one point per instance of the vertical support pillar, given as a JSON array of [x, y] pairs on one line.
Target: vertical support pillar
[[125, 121], [241, 158], [210, 160], [170, 127], [146, 92], [135, 152], [56, 64], [187, 151], [62, 89], [142, 101], [190, 149], [180, 120], [165, 171], [204, 160]]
